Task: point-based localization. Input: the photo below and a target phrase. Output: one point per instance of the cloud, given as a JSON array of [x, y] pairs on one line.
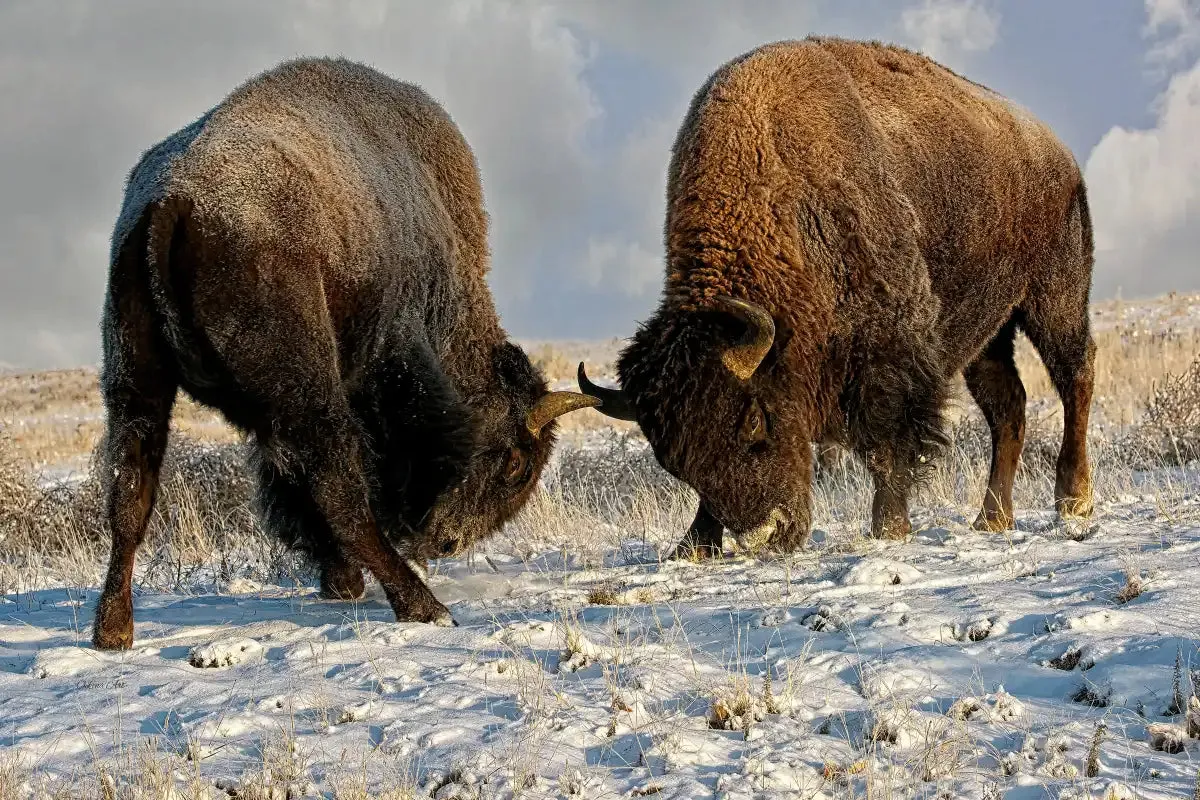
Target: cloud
[[1144, 184], [1144, 187], [693, 38], [87, 85], [948, 30], [1175, 27]]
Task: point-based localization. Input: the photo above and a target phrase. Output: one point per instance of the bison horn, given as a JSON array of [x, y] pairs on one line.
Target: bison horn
[[613, 402], [743, 358], [552, 405]]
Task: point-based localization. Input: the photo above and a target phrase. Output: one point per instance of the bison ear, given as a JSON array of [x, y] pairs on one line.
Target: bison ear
[[513, 367]]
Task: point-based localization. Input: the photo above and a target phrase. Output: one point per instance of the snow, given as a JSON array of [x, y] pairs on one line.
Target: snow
[[946, 663]]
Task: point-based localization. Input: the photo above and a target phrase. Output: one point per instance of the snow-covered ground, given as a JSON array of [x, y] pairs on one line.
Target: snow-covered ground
[[954, 665], [958, 665]]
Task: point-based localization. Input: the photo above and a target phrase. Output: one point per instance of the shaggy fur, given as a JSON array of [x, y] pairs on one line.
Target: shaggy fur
[[899, 223], [309, 258]]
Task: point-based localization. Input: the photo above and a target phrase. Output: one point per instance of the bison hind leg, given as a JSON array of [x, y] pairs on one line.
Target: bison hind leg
[[288, 511], [996, 386], [138, 383], [341, 580], [1065, 345]]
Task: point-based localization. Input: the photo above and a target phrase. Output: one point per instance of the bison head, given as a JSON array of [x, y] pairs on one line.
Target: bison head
[[713, 393], [452, 467]]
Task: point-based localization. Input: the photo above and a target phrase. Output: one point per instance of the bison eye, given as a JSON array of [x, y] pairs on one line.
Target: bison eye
[[516, 469], [754, 424]]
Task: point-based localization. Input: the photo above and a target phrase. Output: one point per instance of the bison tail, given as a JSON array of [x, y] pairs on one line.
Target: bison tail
[[1085, 221], [166, 235]]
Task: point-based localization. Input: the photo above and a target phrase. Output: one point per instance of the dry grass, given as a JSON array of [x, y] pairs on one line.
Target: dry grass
[[1132, 589], [599, 495], [203, 518], [56, 417]]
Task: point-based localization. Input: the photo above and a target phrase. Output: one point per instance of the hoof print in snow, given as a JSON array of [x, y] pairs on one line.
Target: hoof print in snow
[[773, 619], [975, 631], [1166, 738], [880, 572], [216, 655], [358, 712], [1091, 695], [824, 619], [1055, 761], [998, 707], [1069, 660]]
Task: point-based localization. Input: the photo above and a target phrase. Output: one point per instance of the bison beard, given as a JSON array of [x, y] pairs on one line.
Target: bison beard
[[310, 259], [848, 225]]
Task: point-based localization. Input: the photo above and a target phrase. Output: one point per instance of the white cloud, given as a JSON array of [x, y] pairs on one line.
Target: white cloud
[[947, 30], [1175, 27], [87, 85], [692, 38], [688, 41], [1144, 187], [1144, 184]]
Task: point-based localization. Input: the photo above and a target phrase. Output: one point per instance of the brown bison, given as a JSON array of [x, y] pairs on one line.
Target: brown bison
[[309, 257], [848, 225]]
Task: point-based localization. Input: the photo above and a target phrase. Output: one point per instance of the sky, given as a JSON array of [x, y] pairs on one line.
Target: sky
[[570, 107]]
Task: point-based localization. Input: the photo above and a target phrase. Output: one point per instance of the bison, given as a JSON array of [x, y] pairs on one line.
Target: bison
[[309, 258], [848, 226]]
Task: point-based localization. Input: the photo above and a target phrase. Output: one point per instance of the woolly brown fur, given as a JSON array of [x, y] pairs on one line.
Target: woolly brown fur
[[309, 257], [899, 223]]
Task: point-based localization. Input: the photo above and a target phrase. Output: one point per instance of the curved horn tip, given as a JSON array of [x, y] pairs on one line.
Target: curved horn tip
[[744, 357], [613, 402], [553, 405]]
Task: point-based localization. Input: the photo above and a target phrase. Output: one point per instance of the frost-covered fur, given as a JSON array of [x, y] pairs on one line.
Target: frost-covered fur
[[899, 223], [309, 257]]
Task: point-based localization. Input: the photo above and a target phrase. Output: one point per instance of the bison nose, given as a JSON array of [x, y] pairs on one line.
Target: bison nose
[[448, 547]]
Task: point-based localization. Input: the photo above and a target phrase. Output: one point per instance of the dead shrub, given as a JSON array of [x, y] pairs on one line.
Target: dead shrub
[[1169, 430]]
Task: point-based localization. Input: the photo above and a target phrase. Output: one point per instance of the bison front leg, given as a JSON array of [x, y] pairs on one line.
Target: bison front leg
[[339, 490], [703, 539], [290, 513], [889, 507]]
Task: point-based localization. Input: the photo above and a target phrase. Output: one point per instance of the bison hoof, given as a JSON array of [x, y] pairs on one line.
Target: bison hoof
[[343, 582], [430, 612], [103, 639], [686, 551], [992, 521], [442, 619], [1074, 507], [113, 629], [895, 530]]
